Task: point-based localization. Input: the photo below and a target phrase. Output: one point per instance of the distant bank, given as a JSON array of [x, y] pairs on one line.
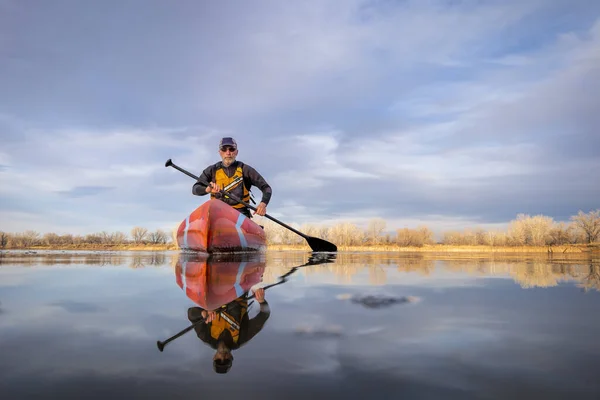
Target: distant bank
[[593, 248]]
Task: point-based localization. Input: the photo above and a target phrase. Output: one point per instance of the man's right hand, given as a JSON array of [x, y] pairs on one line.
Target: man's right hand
[[213, 188]]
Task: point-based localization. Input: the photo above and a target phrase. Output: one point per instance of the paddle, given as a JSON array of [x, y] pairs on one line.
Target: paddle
[[313, 260], [316, 244]]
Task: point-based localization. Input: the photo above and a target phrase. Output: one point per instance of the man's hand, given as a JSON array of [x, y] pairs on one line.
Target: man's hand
[[260, 295], [208, 316], [213, 188], [261, 209]]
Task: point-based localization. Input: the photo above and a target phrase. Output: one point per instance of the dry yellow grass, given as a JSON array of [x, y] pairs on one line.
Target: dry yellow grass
[[441, 248], [436, 248]]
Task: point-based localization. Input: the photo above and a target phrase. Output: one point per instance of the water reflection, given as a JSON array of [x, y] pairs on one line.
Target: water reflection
[[412, 326], [94, 258], [528, 271], [221, 288]]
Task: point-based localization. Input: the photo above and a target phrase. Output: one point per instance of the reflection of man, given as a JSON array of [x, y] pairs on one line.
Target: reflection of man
[[229, 327]]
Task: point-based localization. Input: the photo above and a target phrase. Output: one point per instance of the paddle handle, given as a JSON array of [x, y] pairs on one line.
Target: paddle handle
[[170, 163]]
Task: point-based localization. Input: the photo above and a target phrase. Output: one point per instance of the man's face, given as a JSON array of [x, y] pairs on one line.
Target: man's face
[[223, 355], [228, 155]]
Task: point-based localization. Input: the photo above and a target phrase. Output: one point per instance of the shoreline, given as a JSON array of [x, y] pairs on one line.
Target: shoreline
[[437, 248]]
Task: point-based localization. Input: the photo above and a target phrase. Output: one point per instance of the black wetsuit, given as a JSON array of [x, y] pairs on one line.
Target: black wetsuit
[[248, 327], [251, 178]]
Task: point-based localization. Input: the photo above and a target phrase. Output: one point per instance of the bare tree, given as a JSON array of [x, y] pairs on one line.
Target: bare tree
[[346, 234], [119, 238], [405, 237], [374, 230], [93, 238], [277, 234], [30, 238], [289, 237], [158, 237], [589, 224], [561, 234], [51, 239], [272, 231], [497, 238], [539, 230], [517, 231], [527, 230], [414, 237], [452, 238], [3, 239], [139, 234], [470, 238], [174, 235], [425, 235], [592, 279], [105, 237]]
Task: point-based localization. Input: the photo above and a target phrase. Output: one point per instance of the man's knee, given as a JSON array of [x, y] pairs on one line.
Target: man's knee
[[246, 213]]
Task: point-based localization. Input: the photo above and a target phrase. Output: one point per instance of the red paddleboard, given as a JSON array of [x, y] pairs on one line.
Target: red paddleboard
[[216, 227]]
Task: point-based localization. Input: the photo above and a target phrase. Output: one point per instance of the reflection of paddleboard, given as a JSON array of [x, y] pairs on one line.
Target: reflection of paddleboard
[[211, 283]]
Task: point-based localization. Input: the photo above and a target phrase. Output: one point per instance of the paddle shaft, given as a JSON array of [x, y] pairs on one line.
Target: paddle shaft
[[161, 345], [282, 279], [169, 163]]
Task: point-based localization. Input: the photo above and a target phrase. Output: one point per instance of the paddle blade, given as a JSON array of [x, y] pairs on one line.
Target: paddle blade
[[321, 245]]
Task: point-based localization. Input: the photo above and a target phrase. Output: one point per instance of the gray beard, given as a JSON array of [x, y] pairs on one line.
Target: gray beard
[[227, 164]]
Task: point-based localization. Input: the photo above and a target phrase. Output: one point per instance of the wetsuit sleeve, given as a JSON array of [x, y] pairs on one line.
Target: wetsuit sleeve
[[199, 189], [255, 179], [256, 324], [202, 329]]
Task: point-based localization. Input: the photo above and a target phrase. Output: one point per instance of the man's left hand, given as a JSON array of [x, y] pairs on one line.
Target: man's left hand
[[261, 209], [260, 295]]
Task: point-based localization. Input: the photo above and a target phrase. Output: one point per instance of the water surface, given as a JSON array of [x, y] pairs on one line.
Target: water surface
[[86, 325]]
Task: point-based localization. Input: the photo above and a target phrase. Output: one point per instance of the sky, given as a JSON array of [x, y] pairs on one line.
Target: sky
[[444, 113]]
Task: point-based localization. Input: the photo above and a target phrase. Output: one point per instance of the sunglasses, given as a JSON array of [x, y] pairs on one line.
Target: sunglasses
[[228, 148]]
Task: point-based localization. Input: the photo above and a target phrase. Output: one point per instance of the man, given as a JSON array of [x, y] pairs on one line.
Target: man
[[229, 327], [234, 177]]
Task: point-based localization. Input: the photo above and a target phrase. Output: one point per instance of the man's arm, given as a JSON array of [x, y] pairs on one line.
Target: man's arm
[[202, 329], [199, 189], [257, 180], [256, 324]]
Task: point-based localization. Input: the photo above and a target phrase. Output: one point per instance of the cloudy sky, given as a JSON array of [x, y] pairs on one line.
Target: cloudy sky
[[437, 112]]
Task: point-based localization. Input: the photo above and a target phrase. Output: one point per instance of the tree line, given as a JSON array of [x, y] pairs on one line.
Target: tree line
[[137, 236], [525, 230]]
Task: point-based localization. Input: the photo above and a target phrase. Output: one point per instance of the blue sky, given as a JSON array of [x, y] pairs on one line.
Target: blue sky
[[446, 113]]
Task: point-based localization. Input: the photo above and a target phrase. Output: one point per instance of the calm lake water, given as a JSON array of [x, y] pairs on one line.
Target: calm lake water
[[390, 325]]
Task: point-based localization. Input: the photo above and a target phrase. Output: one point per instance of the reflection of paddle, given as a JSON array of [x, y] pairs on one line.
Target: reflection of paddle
[[315, 244], [161, 345], [314, 260]]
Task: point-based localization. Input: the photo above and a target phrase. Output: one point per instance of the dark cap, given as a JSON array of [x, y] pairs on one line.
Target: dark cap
[[222, 366], [228, 141]]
